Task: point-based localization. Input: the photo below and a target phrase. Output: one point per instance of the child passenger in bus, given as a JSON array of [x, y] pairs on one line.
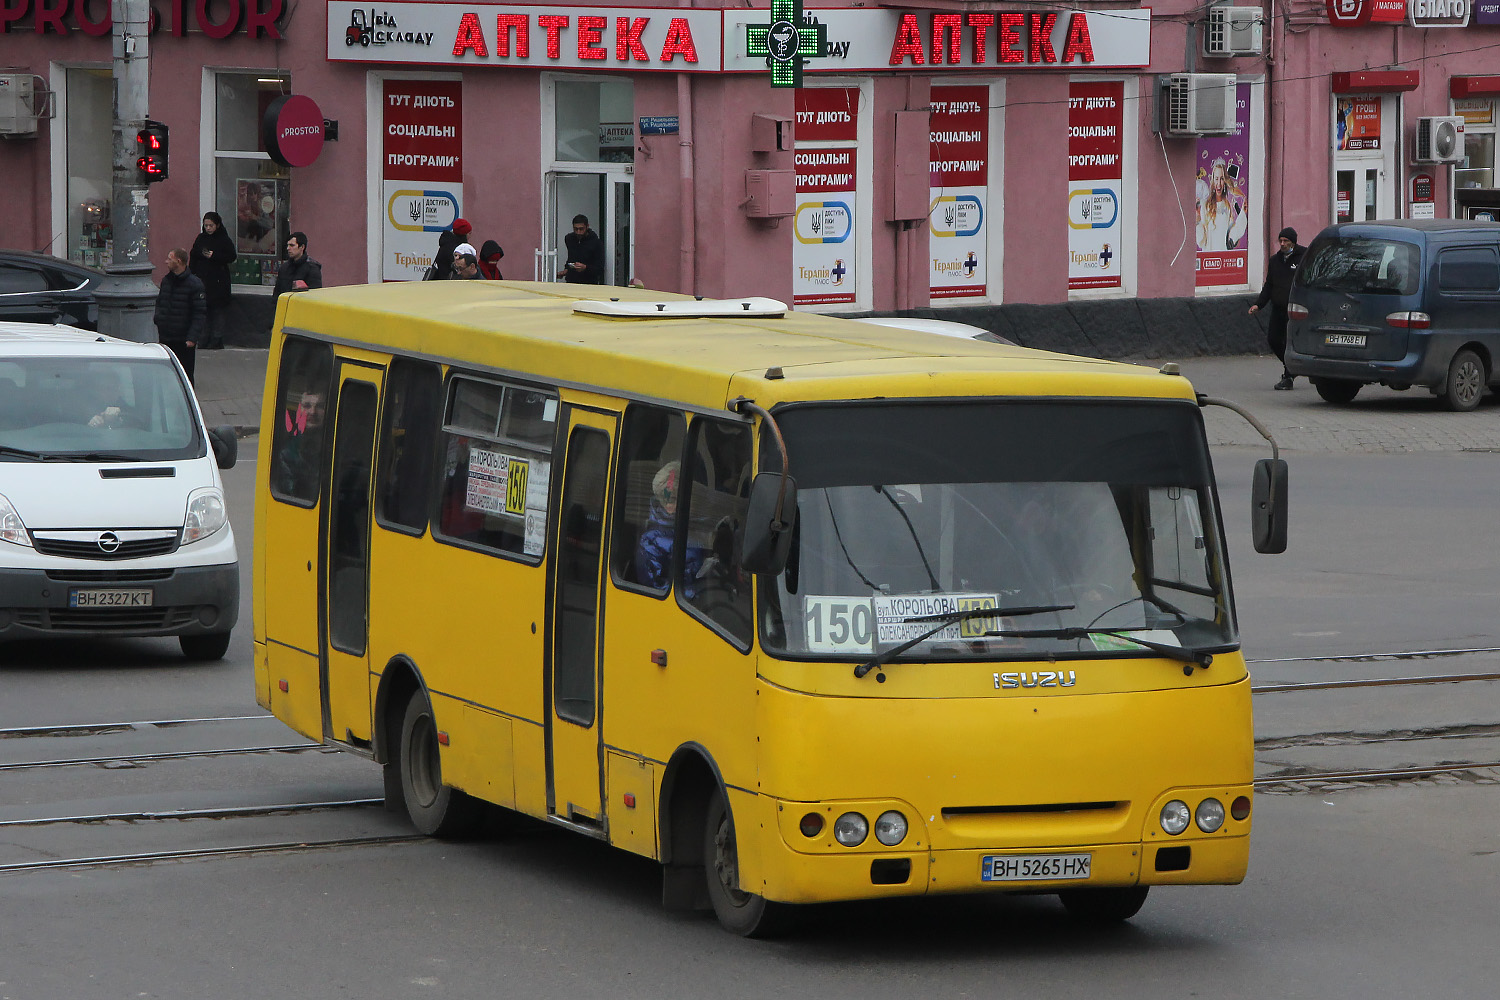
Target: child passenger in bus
[[653, 551]]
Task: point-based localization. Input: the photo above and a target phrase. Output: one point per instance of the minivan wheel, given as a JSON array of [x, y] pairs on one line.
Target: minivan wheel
[[1337, 390], [1464, 386], [212, 646]]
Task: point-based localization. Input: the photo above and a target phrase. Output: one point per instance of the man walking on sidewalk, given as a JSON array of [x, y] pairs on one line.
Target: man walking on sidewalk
[[181, 310], [1280, 272]]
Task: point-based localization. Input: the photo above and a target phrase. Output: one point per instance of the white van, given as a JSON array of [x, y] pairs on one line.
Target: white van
[[112, 516]]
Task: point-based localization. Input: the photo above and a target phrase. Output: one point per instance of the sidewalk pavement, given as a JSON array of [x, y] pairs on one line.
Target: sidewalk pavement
[[230, 384]]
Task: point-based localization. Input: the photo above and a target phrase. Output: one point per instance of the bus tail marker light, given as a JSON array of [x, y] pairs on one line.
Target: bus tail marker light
[[1240, 808], [659, 657], [629, 800], [442, 739], [283, 685], [811, 825]]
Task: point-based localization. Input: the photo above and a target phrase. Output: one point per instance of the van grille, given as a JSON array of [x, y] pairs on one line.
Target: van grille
[[98, 576], [103, 619], [133, 549]]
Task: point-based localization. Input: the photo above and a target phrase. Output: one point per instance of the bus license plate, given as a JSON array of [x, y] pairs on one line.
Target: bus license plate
[[113, 598], [1034, 867], [1344, 339]]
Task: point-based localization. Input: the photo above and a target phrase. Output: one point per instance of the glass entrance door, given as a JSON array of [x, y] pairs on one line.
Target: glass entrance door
[[1357, 194], [606, 198]]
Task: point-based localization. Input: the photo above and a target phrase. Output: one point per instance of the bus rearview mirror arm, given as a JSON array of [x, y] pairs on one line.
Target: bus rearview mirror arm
[[772, 510], [1268, 486]]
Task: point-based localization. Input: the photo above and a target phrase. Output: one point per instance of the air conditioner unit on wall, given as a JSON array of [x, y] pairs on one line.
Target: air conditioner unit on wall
[[17, 112], [1199, 104], [1439, 140], [1232, 31]]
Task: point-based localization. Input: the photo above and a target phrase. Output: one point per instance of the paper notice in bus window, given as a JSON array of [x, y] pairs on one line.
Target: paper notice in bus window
[[1121, 643], [489, 476], [536, 532], [838, 624], [891, 626]]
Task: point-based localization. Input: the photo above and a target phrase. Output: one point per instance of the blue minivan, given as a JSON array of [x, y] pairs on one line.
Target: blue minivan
[[1403, 303]]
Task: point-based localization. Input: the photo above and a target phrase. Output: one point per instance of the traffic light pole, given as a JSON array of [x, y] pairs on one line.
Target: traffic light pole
[[127, 297]]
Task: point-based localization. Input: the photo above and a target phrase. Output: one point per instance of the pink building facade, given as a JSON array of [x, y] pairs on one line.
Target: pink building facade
[[946, 154]]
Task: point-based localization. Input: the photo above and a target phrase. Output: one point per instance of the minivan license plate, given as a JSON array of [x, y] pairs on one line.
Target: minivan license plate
[[113, 598], [1034, 867], [1344, 339]]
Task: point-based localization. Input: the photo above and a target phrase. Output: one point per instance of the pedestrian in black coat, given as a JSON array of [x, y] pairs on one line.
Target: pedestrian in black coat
[[213, 252], [298, 271], [585, 264], [1280, 273], [181, 310]]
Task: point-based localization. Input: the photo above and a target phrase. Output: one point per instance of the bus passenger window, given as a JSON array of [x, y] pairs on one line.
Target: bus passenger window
[[496, 454], [408, 441], [710, 580], [303, 384], [646, 498]]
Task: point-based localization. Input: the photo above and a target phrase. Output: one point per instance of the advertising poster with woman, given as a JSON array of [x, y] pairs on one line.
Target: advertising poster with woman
[[1223, 201]]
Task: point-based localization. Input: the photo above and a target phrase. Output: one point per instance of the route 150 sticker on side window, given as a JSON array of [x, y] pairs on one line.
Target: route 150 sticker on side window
[[854, 624]]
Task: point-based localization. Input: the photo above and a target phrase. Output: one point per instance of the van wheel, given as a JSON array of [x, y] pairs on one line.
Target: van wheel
[[1104, 906], [740, 912], [1464, 386], [1337, 390], [435, 809], [201, 648]]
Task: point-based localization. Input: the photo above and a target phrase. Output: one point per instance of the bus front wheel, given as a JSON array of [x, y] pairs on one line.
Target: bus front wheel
[[1104, 906], [743, 913], [435, 808]]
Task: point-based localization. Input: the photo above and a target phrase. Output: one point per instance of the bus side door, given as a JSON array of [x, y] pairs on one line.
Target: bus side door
[[345, 573], [574, 748]]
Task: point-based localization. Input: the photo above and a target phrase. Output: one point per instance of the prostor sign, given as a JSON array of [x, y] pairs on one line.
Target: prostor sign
[[708, 40]]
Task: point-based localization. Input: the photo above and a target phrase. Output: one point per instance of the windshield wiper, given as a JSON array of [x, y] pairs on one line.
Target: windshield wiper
[[1185, 654], [100, 456], [947, 618], [35, 456]]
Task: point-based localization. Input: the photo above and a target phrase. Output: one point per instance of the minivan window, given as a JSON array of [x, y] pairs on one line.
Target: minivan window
[[1362, 264], [98, 409], [1468, 269]]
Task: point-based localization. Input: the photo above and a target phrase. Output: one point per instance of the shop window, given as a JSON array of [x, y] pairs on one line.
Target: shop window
[[251, 191], [1478, 167], [595, 121], [90, 113]]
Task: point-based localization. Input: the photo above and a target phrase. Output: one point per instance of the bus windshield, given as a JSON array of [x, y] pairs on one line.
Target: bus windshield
[[1102, 510]]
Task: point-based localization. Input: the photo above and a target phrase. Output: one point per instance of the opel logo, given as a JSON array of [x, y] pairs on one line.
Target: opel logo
[[108, 541]]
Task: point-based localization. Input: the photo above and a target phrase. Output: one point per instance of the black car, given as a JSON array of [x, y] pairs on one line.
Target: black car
[[35, 288]]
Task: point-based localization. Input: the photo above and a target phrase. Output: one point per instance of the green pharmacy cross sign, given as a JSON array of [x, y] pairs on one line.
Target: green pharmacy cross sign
[[787, 42]]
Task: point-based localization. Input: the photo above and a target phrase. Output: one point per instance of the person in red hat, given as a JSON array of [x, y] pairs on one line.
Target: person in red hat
[[447, 240]]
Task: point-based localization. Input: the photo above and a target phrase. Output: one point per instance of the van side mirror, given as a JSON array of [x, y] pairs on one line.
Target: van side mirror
[[768, 539], [225, 444], [1268, 508]]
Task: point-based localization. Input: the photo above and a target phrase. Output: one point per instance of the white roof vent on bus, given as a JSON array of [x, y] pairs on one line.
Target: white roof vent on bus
[[755, 305]]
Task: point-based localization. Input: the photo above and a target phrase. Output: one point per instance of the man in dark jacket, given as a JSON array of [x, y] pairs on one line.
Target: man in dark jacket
[[181, 310], [1280, 273], [298, 271], [585, 264]]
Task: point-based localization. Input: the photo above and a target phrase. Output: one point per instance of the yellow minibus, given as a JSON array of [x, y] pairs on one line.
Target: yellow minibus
[[803, 608]]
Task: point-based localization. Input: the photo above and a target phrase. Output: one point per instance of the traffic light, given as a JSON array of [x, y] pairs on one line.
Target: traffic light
[[151, 150]]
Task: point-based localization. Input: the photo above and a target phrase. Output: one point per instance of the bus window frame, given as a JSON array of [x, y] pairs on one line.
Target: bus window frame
[[684, 509], [278, 439], [559, 437], [383, 440], [617, 502]]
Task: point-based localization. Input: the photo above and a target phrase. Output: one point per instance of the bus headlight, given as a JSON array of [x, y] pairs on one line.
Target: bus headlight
[[1210, 815], [890, 828], [1175, 816], [12, 529], [851, 829], [205, 515]]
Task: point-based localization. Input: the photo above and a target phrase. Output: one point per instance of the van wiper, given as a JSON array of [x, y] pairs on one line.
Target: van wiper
[[1185, 654], [947, 618], [100, 456], [35, 456]]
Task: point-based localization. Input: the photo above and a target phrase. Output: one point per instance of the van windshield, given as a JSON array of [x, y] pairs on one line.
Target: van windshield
[[1362, 264], [1102, 511], [95, 409]]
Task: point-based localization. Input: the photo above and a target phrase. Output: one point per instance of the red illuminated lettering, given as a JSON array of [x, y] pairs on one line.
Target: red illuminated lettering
[[947, 33], [628, 39], [1079, 42], [1042, 25], [908, 42], [981, 25], [1010, 37], [505, 26], [554, 23], [679, 42], [81, 15], [259, 21], [179, 19], [470, 37], [589, 29]]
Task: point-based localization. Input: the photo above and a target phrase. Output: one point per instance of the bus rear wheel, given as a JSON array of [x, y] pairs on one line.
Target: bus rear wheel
[[740, 912], [435, 809], [1104, 906]]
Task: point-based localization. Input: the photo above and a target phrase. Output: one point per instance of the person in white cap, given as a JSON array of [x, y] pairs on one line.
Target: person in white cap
[[465, 263]]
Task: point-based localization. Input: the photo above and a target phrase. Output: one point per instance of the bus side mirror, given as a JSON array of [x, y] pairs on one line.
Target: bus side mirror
[[768, 541], [225, 445], [1268, 505]]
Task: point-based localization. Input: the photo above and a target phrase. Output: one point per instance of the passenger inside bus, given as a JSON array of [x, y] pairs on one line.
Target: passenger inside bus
[[297, 472], [653, 551]]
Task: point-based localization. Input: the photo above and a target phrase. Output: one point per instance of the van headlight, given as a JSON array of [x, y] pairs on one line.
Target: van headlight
[[12, 528], [205, 515]]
